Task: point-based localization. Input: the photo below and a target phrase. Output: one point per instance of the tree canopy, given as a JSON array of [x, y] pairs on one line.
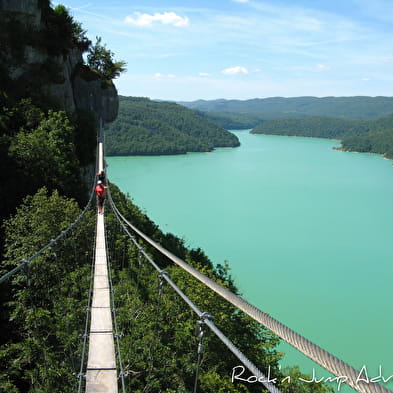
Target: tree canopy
[[371, 136], [145, 127], [101, 59]]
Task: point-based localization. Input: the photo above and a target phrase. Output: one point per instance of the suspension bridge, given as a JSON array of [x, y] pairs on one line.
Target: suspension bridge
[[103, 371]]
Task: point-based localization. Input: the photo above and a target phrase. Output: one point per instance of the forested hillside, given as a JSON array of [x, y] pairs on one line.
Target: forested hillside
[[355, 108], [232, 121], [145, 127], [371, 136], [318, 127]]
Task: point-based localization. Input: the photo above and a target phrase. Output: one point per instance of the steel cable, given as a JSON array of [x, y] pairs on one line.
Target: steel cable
[[204, 316], [50, 244], [85, 335], [114, 311], [342, 371]]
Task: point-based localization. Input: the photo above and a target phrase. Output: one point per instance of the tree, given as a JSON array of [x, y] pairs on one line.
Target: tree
[[47, 156], [63, 32], [43, 307], [101, 59]]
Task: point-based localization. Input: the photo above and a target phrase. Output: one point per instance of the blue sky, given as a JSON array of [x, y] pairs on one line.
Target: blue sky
[[242, 49]]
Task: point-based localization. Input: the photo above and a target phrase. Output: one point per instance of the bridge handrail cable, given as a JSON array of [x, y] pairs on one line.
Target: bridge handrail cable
[[204, 316], [62, 234], [331, 363], [117, 335]]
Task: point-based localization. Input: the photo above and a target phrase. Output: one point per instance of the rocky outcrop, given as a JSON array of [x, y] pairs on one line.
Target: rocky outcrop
[[28, 10], [74, 86], [94, 94]]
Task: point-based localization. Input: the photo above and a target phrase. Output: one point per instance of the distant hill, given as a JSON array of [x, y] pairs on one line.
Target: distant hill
[[145, 127], [317, 127], [252, 112]]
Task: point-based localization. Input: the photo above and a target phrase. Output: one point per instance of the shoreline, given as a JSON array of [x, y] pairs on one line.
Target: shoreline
[[338, 148]]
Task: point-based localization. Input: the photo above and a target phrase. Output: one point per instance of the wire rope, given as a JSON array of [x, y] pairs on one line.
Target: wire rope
[[341, 370], [117, 336], [85, 335], [203, 316], [63, 234]]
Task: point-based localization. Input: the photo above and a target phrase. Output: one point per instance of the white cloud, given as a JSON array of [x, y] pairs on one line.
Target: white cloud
[[204, 74], [166, 18], [323, 67], [365, 79], [235, 71], [162, 76], [241, 1]]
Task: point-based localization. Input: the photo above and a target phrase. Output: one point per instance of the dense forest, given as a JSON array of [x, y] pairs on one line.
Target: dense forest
[[368, 136], [354, 108], [233, 121], [145, 127], [44, 151]]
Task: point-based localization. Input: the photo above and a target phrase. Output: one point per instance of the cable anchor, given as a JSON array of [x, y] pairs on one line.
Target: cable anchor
[[26, 270], [200, 333], [79, 375], [140, 257], [53, 244], [161, 275]]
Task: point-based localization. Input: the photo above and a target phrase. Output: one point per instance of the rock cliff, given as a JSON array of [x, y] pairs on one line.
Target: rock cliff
[[28, 63]]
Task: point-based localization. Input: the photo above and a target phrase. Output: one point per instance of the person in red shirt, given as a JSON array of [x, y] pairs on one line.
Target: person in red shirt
[[100, 192]]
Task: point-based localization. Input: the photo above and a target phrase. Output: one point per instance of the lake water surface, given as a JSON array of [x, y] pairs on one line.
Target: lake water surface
[[307, 231]]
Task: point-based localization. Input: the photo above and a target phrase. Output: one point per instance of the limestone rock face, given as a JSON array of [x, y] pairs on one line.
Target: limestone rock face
[[97, 97], [27, 9], [75, 86]]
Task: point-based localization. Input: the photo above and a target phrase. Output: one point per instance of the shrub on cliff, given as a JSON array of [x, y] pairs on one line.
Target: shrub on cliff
[[101, 59]]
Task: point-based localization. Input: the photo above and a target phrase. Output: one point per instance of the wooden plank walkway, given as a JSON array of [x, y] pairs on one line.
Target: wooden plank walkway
[[101, 376]]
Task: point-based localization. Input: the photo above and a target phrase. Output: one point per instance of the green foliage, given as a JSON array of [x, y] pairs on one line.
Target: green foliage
[[366, 136], [62, 32], [318, 127], [232, 121], [43, 307], [145, 127], [46, 154], [380, 142], [40, 149], [101, 59]]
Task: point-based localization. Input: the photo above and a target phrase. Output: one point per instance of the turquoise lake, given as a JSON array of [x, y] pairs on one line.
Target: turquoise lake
[[307, 231]]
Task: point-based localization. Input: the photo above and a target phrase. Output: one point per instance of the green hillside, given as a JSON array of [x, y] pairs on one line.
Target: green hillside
[[356, 108], [232, 121], [373, 136], [146, 127], [319, 127]]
